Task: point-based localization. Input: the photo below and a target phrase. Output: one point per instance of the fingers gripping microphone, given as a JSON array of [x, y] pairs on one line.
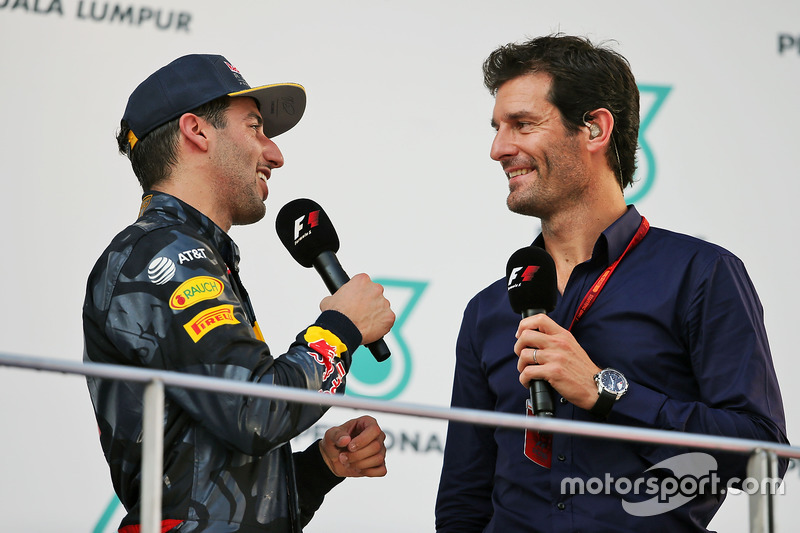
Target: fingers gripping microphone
[[533, 289], [306, 231]]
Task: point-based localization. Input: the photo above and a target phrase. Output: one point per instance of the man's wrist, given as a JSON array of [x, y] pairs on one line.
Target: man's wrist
[[325, 458], [611, 386]]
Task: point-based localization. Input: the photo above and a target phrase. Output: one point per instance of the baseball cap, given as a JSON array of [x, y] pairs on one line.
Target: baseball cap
[[193, 80]]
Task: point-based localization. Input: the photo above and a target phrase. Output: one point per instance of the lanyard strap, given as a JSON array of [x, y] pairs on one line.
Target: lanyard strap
[[594, 291]]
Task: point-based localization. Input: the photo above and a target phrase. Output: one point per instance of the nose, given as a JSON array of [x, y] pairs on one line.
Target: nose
[[502, 145], [272, 153]]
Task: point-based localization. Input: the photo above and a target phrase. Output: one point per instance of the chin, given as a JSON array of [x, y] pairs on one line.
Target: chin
[[251, 216], [515, 205], [521, 208]]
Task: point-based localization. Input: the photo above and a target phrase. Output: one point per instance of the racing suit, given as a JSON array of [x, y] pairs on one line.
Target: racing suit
[[166, 295]]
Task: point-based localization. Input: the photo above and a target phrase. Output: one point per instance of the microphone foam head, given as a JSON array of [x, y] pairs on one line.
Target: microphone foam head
[[306, 231], [532, 281]]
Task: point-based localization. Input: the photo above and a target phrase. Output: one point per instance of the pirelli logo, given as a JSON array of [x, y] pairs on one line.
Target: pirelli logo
[[208, 320]]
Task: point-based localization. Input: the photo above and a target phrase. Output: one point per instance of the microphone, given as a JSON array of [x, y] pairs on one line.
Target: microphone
[[306, 231], [533, 289]]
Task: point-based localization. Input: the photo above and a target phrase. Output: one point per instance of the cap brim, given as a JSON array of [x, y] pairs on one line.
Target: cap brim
[[282, 105]]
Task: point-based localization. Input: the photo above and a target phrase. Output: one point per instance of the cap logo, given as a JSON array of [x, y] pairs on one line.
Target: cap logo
[[236, 75], [233, 69], [287, 104]]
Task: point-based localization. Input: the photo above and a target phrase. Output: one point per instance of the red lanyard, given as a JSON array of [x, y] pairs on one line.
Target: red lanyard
[[594, 292]]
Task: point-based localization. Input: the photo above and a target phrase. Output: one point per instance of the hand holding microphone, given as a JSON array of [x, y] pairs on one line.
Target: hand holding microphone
[[307, 233], [533, 289]]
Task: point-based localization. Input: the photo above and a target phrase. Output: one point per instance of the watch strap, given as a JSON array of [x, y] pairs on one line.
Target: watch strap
[[605, 402]]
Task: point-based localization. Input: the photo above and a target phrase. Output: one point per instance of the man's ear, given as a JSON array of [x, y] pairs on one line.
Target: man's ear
[[600, 126], [194, 129]]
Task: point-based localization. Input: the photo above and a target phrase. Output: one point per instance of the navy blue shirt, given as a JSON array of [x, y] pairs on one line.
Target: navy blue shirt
[[682, 321]]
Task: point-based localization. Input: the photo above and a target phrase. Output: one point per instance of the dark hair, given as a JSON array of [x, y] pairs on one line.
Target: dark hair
[[585, 77], [154, 155]]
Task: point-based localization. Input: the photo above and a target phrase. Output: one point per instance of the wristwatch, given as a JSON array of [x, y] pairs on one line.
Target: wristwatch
[[611, 385]]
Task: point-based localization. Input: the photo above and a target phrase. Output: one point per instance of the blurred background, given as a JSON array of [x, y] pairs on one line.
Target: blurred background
[[394, 144]]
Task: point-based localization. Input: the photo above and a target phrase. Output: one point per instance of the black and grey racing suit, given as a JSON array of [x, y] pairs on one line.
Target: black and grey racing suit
[[166, 295]]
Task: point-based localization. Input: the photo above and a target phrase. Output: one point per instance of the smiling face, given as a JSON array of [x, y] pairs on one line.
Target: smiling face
[[544, 163], [243, 158]]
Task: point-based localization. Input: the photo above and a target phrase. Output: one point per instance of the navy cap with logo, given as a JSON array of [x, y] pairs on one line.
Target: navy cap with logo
[[193, 80]]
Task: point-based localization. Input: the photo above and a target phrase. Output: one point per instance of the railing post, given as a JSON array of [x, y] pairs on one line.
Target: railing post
[[762, 473], [152, 456]]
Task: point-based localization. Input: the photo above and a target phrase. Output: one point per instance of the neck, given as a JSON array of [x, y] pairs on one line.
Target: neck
[[570, 235], [194, 192]]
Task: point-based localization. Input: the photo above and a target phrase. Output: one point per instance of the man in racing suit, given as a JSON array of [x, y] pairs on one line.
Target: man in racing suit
[[166, 294]]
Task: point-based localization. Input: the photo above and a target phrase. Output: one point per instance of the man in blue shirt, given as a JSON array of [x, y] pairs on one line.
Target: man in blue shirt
[[651, 328]]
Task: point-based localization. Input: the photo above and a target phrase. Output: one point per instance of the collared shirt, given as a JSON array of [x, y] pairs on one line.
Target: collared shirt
[[682, 321], [166, 295]]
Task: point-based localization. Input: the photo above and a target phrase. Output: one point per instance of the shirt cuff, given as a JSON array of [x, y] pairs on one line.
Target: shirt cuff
[[640, 406], [341, 326], [314, 479]]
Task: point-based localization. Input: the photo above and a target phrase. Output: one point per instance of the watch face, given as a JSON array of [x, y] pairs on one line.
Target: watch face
[[613, 380]]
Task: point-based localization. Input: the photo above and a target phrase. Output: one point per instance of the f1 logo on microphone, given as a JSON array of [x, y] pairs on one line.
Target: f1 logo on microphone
[[527, 275], [313, 221]]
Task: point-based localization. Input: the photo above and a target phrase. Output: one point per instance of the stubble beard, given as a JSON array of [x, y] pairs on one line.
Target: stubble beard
[[248, 207], [559, 183], [242, 195], [523, 201], [531, 198], [249, 214]]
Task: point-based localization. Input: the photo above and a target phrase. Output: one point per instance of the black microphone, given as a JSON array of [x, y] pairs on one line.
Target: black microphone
[[533, 289], [306, 231]]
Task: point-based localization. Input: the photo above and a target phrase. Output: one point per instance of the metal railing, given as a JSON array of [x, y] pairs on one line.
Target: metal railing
[[762, 463]]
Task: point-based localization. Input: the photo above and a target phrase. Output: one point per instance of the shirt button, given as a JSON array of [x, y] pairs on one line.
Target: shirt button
[[563, 400], [561, 506], [561, 457]]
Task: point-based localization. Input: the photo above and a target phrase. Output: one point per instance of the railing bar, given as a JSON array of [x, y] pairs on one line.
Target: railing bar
[[488, 418]]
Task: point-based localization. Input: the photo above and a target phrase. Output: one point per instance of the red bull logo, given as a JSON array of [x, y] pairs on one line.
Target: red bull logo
[[327, 348], [325, 355], [332, 368]]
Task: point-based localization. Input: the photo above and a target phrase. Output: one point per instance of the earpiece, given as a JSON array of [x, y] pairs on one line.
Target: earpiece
[[594, 129]]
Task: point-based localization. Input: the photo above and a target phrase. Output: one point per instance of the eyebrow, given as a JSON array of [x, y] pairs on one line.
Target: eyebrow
[[256, 116], [517, 115]]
